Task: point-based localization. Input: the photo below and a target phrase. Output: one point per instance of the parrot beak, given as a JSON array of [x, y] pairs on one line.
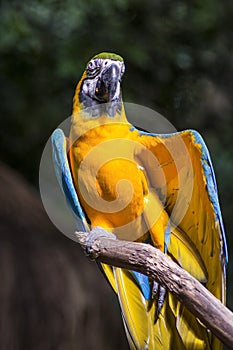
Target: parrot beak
[[108, 84]]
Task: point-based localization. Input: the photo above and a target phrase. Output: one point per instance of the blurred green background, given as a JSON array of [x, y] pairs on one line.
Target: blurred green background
[[179, 61]]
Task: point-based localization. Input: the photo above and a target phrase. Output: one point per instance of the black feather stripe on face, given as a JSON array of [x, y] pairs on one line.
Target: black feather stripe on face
[[100, 90]]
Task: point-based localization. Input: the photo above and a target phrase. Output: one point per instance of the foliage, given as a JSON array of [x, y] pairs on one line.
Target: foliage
[[178, 61]]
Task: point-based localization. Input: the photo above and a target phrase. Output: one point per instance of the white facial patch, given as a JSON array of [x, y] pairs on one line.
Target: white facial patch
[[96, 67]]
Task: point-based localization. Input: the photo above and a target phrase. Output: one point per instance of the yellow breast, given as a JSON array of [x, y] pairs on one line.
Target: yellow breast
[[111, 186]]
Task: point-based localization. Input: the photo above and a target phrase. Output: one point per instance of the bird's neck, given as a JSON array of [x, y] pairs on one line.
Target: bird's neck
[[85, 135], [84, 119]]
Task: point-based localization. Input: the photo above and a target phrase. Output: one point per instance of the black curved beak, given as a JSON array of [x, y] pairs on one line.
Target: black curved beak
[[107, 83]]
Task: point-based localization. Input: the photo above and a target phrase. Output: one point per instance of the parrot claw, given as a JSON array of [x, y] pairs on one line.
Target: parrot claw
[[161, 291], [161, 298], [155, 287], [94, 234]]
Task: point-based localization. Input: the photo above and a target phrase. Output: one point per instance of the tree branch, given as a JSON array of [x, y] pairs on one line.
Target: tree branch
[[152, 262]]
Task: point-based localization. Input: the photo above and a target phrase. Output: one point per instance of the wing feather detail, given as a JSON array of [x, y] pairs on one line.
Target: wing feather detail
[[62, 170], [191, 199]]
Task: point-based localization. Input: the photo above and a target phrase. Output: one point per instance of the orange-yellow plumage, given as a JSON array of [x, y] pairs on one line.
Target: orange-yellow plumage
[[139, 186]]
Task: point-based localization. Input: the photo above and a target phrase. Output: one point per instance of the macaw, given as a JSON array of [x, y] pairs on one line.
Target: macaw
[[153, 188]]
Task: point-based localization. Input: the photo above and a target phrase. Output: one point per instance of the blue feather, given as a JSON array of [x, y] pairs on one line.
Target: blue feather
[[211, 186], [65, 179], [144, 284]]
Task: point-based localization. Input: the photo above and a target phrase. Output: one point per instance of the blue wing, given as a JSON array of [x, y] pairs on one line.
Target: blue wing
[[62, 169], [211, 188]]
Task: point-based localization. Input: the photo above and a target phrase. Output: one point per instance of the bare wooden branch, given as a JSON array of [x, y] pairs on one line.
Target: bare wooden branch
[[148, 260]]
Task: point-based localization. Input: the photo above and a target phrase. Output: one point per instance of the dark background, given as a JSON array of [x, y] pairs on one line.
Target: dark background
[[179, 61]]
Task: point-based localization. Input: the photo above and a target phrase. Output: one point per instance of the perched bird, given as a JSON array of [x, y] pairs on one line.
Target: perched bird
[[153, 188]]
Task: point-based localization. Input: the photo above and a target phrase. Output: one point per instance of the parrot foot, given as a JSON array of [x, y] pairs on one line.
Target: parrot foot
[[160, 291], [96, 233]]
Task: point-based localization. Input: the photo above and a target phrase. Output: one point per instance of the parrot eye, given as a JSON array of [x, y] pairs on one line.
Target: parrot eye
[[93, 68]]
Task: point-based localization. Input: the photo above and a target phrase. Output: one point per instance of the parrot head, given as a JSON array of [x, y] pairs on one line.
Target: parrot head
[[99, 90]]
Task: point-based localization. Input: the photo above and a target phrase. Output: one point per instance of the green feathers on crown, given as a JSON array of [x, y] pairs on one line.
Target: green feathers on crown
[[109, 55]]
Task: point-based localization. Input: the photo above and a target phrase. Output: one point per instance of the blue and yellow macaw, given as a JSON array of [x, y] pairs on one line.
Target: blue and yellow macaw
[[144, 187]]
